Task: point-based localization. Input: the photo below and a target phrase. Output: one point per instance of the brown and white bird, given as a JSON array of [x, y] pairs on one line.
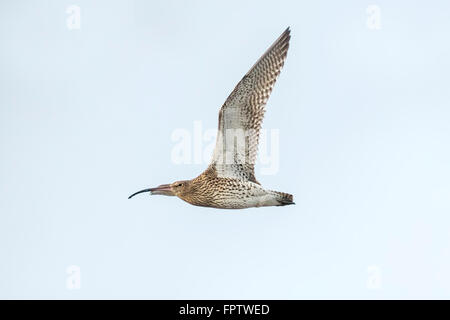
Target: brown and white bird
[[229, 182]]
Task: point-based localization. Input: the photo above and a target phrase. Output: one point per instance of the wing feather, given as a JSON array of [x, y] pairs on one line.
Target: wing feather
[[241, 115]]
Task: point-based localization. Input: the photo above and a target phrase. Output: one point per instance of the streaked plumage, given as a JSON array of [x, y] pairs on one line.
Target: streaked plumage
[[229, 182]]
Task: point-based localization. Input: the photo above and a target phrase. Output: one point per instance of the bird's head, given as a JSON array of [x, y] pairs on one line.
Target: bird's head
[[178, 188]]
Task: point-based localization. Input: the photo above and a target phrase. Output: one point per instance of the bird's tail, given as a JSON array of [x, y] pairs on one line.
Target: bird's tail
[[284, 198]]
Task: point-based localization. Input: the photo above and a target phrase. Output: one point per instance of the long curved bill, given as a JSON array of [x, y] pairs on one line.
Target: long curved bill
[[163, 189]]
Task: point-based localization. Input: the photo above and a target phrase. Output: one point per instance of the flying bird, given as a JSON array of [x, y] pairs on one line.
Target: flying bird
[[229, 181]]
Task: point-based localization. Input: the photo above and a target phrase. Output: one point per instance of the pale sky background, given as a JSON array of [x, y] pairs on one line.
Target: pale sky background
[[86, 118]]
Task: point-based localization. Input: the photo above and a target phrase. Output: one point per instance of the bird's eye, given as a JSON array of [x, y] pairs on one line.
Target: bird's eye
[[180, 184]]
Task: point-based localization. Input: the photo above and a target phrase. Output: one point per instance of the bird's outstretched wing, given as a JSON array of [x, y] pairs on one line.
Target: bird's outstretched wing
[[242, 113]]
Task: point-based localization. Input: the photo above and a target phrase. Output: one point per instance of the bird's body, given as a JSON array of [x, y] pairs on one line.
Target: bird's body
[[229, 182], [209, 190]]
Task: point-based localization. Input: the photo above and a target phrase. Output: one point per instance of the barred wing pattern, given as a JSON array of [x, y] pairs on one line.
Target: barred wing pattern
[[241, 115]]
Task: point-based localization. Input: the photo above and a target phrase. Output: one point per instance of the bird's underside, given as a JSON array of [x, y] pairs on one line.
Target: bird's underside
[[229, 182], [210, 190]]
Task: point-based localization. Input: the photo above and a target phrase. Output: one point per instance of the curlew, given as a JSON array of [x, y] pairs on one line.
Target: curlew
[[229, 181]]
